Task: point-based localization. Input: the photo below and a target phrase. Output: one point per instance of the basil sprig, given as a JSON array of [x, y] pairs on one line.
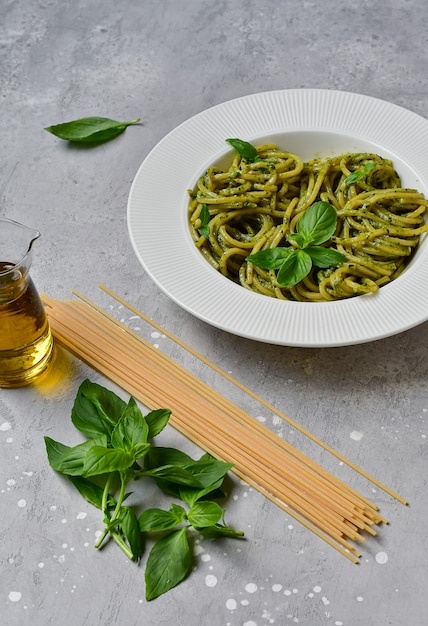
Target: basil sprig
[[90, 129], [293, 263], [119, 450]]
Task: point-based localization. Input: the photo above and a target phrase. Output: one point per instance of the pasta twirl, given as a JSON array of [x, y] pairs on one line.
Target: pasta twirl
[[254, 206]]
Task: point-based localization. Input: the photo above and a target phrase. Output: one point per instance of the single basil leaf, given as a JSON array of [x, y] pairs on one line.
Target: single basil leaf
[[89, 129], [71, 460], [324, 257], [96, 410], [174, 474], [317, 223], [131, 529], [156, 421], [158, 520], [208, 470], [294, 269], [218, 530], [102, 460], [166, 456], [190, 495], [271, 258], [205, 219], [131, 430], [91, 492], [168, 563], [358, 175], [203, 514], [246, 150]]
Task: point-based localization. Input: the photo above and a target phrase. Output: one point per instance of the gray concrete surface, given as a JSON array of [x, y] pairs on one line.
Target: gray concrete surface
[[164, 61]]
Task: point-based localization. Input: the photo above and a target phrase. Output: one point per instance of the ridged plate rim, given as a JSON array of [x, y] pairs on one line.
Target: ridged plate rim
[[159, 234]]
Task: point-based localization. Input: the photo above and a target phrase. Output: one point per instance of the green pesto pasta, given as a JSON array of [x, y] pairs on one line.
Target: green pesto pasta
[[253, 206]]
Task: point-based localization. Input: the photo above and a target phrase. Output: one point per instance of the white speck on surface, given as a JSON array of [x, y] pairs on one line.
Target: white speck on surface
[[28, 473], [231, 604], [41, 565], [276, 588], [317, 588], [5, 426], [210, 580], [251, 587], [325, 601], [360, 598], [381, 558], [250, 623], [198, 549], [261, 418], [22, 503], [287, 592], [356, 435], [9, 440], [81, 515], [155, 334], [11, 482], [15, 596], [63, 521], [206, 557]]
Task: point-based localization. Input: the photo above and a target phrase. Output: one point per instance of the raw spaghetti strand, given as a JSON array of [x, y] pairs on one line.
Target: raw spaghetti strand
[[323, 503]]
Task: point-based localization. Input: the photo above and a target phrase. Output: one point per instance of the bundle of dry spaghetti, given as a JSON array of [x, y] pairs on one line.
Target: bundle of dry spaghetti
[[306, 491]]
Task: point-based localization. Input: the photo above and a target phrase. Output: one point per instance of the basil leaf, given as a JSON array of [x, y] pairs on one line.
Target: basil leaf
[[205, 219], [166, 456], [208, 470], [168, 563], [246, 150], [190, 495], [71, 460], [203, 514], [271, 258], [89, 129], [102, 460], [96, 410], [156, 421], [324, 257], [131, 530], [91, 492], [157, 520], [317, 223], [218, 530], [174, 474], [358, 175], [131, 430], [294, 269]]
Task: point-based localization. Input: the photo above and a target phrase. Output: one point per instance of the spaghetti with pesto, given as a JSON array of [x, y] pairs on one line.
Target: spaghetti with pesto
[[257, 203]]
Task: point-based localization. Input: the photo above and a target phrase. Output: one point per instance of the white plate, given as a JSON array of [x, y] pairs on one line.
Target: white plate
[[310, 122]]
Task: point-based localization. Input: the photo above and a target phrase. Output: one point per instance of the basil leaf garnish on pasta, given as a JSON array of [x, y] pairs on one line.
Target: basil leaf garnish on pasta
[[294, 263], [90, 129], [204, 218], [246, 150], [355, 177], [317, 224]]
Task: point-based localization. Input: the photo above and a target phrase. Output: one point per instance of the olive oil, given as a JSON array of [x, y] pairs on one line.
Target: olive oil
[[25, 336]]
